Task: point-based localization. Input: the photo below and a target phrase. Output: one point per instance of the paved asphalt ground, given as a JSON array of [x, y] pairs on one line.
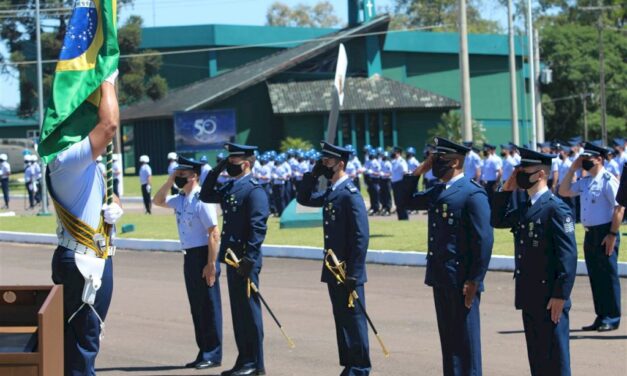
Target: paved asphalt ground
[[149, 330]]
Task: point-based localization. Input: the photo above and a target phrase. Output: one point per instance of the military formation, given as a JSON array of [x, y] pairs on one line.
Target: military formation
[[538, 195], [465, 196]]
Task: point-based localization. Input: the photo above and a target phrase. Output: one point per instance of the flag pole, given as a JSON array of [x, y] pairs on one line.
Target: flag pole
[[40, 98]]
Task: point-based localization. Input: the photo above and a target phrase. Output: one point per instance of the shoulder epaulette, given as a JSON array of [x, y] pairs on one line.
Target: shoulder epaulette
[[476, 183], [351, 188]]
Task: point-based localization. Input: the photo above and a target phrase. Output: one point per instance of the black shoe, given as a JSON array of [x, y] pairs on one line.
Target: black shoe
[[607, 327], [591, 328], [204, 364], [193, 364], [261, 372], [243, 371]]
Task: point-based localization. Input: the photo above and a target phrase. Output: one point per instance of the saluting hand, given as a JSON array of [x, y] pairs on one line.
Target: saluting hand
[[424, 167], [222, 165], [470, 290], [576, 164], [556, 306], [511, 185]]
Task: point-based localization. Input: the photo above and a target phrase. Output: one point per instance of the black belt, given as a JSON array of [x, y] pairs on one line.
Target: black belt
[[604, 226]]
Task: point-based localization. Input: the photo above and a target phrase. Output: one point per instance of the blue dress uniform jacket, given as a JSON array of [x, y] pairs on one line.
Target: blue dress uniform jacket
[[460, 247], [245, 212], [346, 232], [621, 196], [546, 250], [460, 235], [546, 264]]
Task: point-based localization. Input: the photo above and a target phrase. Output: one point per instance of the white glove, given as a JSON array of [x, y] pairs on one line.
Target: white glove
[[112, 213], [112, 77], [148, 188]]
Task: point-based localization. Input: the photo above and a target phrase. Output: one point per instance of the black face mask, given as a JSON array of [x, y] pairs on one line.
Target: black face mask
[[440, 168], [503, 154], [562, 156], [523, 179], [587, 164], [328, 172], [180, 181], [234, 169]]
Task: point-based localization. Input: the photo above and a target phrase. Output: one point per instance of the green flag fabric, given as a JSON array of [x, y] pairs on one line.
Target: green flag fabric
[[89, 55]]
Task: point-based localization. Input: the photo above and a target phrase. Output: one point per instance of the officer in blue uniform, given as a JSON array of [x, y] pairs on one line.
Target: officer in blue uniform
[[460, 247], [346, 233], [198, 232], [546, 261], [245, 212], [601, 216], [621, 196]]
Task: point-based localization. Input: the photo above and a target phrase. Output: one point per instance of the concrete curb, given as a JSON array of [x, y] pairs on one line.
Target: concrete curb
[[125, 199], [501, 263]]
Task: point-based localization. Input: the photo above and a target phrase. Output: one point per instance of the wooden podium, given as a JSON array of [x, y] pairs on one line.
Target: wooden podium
[[31, 330]]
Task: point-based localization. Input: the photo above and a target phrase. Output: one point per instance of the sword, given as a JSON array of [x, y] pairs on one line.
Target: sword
[[232, 260], [337, 95], [340, 274]]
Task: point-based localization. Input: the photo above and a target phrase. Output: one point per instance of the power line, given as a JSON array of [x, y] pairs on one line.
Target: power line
[[228, 48]]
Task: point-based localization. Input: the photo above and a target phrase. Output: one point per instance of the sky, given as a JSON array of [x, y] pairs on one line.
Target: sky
[[191, 12]]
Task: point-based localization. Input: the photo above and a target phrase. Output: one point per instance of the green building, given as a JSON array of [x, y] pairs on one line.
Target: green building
[[278, 81]]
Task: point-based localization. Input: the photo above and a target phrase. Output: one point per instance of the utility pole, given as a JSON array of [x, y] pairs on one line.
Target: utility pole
[[532, 76], [40, 101], [602, 75], [602, 94], [512, 73], [465, 73], [536, 66], [584, 102], [154, 13]]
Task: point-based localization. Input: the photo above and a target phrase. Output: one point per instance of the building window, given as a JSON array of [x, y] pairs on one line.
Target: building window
[[345, 123], [32, 134], [388, 137], [373, 129], [128, 149]]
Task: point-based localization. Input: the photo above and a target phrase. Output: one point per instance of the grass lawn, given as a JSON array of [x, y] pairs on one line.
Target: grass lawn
[[131, 184], [388, 235]]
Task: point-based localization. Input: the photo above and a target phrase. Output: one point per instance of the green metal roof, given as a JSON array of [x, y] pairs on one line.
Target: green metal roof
[[204, 92], [194, 36], [361, 94], [9, 118]]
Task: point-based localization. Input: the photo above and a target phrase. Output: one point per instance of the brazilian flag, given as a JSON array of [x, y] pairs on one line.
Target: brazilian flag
[[89, 55]]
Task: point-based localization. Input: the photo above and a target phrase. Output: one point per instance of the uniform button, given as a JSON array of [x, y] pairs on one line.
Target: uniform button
[[433, 225], [522, 226], [543, 282], [326, 236], [430, 239], [430, 253], [517, 271], [224, 222], [223, 232], [521, 242], [519, 256], [326, 222]]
